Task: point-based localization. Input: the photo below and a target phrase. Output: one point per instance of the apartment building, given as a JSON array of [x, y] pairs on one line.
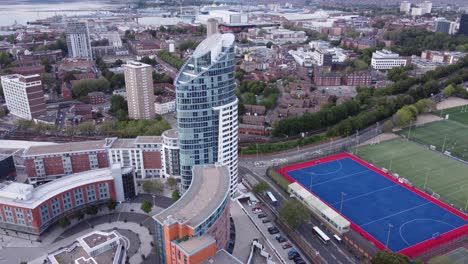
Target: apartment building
[[140, 91], [24, 96], [78, 40], [386, 60]]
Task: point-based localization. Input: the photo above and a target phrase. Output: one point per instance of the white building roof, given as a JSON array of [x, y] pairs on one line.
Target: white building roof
[[316, 204], [214, 43], [24, 195]]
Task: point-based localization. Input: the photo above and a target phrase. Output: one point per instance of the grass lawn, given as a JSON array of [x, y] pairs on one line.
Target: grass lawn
[[435, 133], [445, 176], [459, 114]]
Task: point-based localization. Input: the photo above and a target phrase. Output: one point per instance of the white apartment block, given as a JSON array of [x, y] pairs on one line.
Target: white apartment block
[[24, 96], [162, 108], [140, 91], [282, 36], [386, 60], [78, 40], [405, 7]]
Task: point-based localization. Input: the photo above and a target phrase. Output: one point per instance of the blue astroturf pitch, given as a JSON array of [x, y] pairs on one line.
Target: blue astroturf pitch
[[372, 202]]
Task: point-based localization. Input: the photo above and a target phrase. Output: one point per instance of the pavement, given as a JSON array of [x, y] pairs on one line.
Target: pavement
[[127, 217]]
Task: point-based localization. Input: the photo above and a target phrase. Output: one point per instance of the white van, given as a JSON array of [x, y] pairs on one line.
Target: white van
[[337, 238]]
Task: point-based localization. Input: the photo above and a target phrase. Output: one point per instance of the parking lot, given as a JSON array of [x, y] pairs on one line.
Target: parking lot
[[274, 236]]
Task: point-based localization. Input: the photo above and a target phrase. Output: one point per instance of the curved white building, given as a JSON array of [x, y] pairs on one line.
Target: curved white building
[[170, 153], [207, 108]]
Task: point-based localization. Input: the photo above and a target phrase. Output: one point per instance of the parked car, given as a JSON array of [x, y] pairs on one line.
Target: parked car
[[256, 208], [292, 256], [266, 220], [262, 215], [257, 211], [292, 251], [280, 238], [297, 259], [286, 245], [271, 228], [274, 231]]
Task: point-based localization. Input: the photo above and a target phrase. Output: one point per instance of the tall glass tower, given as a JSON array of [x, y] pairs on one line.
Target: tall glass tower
[[207, 108]]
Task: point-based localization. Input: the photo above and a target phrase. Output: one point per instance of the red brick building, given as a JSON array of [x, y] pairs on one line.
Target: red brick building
[[358, 79], [327, 79], [95, 98], [142, 154]]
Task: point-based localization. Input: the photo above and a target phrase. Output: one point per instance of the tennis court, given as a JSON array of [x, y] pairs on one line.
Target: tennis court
[[383, 210]]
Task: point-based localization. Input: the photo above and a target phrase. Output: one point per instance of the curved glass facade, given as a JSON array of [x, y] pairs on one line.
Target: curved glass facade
[[207, 108]]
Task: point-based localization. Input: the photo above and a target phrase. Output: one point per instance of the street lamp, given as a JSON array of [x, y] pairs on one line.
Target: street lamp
[[388, 236], [341, 205]]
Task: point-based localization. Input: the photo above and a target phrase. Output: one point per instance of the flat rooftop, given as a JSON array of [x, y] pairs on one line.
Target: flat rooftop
[[148, 139], [96, 239], [171, 133], [123, 143], [222, 256], [194, 244], [209, 188], [50, 189], [65, 148]]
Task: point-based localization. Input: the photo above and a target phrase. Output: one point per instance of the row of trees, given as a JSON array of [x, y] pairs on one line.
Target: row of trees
[[412, 41], [83, 87], [171, 59], [134, 128]]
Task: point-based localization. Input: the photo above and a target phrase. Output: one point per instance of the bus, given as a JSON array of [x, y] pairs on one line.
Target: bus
[[323, 237], [274, 202]]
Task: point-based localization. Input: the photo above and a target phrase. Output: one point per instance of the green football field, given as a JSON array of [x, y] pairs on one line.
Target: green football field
[[445, 135], [459, 114], [422, 167]]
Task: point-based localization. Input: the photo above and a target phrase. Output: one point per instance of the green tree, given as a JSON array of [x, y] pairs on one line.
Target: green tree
[[86, 128], [269, 44], [49, 82], [47, 66], [171, 182], [111, 204], [388, 126], [3, 112], [449, 90], [294, 213], [149, 61], [78, 215], [64, 222], [188, 44], [92, 210], [119, 107], [154, 186], [117, 81], [146, 206], [386, 257], [83, 87], [239, 75], [260, 187], [175, 195]]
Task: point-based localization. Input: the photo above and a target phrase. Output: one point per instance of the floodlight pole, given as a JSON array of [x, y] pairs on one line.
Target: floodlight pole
[[409, 131], [466, 205], [427, 176], [341, 205], [443, 145], [388, 235]]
